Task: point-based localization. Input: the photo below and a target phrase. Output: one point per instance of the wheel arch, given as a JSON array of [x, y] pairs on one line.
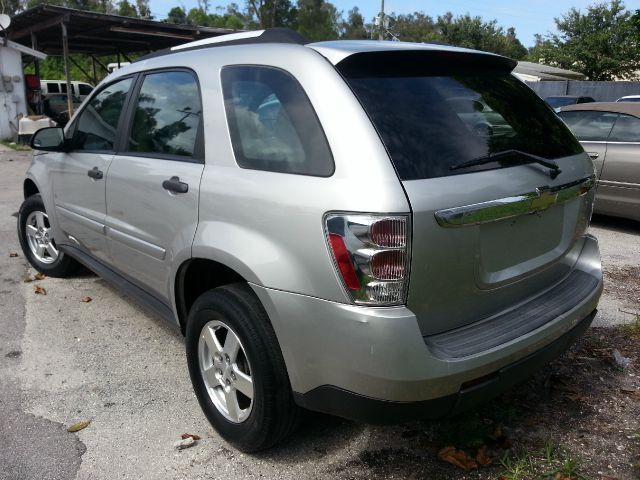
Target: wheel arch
[[196, 276], [30, 188]]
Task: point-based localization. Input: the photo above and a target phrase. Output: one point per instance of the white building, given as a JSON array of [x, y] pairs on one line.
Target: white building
[[13, 101]]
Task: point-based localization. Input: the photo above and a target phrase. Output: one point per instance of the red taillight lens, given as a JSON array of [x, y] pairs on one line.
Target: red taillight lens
[[343, 260], [389, 265], [390, 232], [371, 255]]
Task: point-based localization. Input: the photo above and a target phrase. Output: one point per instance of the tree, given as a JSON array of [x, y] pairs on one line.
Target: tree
[[354, 28], [318, 20], [474, 32], [144, 11], [601, 43], [125, 9], [270, 13], [415, 27], [177, 15]]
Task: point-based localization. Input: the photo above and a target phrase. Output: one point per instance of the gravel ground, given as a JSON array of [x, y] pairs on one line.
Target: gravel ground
[[64, 360]]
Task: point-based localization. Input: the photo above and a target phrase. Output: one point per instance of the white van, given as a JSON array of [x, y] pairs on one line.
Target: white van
[[80, 89]]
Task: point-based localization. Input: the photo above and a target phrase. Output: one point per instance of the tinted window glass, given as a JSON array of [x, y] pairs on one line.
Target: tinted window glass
[[85, 89], [53, 87], [626, 129], [167, 115], [272, 123], [430, 122], [589, 125], [97, 124], [557, 102], [63, 87]]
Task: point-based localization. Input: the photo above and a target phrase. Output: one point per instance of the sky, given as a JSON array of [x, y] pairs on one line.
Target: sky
[[534, 16]]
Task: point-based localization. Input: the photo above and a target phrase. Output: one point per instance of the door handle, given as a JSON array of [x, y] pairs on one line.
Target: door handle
[[95, 173], [593, 155], [175, 185]]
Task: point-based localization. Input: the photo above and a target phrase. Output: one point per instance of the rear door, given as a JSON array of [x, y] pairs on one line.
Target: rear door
[[487, 236], [154, 180], [619, 186], [79, 178]]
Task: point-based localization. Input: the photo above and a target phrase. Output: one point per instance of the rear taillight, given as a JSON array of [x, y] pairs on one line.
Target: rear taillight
[[371, 256]]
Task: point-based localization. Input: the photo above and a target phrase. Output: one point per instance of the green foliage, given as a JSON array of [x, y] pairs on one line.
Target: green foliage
[[602, 43], [125, 9], [270, 13], [354, 27], [317, 20]]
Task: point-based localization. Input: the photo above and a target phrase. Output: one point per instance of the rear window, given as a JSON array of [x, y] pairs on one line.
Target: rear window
[[433, 113]]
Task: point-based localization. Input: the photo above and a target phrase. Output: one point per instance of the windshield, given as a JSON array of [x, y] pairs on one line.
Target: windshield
[[557, 102], [430, 122]]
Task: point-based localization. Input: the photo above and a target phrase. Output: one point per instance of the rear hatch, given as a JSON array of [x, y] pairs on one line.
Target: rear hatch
[[495, 222]]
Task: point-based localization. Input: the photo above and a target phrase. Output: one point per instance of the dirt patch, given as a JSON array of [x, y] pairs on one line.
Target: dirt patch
[[623, 282], [577, 419]]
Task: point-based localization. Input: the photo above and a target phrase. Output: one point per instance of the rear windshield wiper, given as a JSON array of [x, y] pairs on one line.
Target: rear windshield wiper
[[553, 166]]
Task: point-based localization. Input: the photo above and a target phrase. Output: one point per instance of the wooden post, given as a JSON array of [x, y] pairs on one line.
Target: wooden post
[[67, 68], [36, 70], [93, 66]]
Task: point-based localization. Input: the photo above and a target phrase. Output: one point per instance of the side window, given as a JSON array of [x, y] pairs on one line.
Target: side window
[[272, 124], [589, 125], [53, 87], [626, 129], [167, 115], [85, 89], [97, 124], [63, 87]]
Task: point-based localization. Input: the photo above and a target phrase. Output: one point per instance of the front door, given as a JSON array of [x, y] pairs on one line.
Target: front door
[[153, 184], [79, 176]]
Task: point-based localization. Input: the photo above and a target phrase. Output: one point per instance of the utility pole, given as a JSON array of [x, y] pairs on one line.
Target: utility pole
[[381, 20]]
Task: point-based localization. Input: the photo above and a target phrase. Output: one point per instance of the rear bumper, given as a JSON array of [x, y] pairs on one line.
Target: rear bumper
[[342, 403], [350, 360]]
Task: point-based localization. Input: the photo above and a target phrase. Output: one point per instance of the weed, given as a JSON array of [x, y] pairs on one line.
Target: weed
[[632, 328], [549, 451], [15, 146], [515, 468]]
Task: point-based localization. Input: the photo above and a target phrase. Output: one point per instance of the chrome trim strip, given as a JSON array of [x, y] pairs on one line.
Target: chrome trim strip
[[81, 219], [145, 247], [611, 183], [509, 207]]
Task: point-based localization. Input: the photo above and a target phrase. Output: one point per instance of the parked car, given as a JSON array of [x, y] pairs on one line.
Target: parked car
[[610, 133], [629, 98], [78, 89], [323, 225], [56, 107], [558, 101]]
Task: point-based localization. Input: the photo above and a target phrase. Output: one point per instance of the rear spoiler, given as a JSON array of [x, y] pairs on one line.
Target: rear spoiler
[[403, 63]]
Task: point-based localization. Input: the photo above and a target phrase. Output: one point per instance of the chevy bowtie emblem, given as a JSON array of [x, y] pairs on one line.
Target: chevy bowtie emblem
[[545, 199]]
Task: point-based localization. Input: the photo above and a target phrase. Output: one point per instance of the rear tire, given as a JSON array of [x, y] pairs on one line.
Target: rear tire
[[36, 240], [245, 395]]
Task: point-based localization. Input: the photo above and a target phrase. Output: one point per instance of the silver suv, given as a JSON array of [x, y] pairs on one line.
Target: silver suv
[[376, 230]]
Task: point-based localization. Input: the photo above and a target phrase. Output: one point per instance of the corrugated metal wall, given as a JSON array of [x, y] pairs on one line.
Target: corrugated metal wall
[[600, 91]]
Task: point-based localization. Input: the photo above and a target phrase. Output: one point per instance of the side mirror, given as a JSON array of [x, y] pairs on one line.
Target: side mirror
[[49, 139]]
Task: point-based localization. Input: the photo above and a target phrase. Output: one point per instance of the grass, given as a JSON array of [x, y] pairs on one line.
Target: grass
[[633, 328], [550, 463], [15, 146]]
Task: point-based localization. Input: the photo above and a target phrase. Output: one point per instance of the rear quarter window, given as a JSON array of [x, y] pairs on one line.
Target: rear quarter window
[[272, 124]]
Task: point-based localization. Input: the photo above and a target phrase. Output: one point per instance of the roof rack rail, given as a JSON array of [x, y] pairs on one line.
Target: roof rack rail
[[269, 35]]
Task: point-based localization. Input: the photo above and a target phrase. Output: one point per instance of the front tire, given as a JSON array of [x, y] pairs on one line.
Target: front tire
[[36, 240], [237, 369]]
